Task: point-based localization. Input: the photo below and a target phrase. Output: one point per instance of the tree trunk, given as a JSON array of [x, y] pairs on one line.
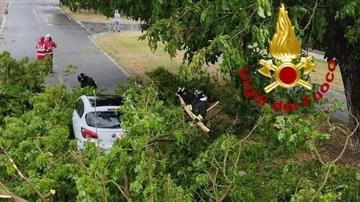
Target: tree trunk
[[127, 185], [350, 72]]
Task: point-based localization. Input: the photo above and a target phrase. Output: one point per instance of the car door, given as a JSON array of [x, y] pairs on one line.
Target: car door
[[76, 119]]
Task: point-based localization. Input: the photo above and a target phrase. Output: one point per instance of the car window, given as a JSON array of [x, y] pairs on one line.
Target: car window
[[79, 107], [103, 119]]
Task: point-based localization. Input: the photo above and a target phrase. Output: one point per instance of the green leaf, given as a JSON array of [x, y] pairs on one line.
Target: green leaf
[[357, 176], [203, 16]]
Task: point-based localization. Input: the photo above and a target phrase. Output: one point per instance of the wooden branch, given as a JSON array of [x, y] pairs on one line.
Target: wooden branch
[[16, 198], [5, 196], [333, 162], [42, 152], [127, 185], [50, 194], [297, 186], [224, 165], [312, 15], [216, 103], [193, 116], [21, 175], [158, 138], [80, 162], [182, 15], [119, 187], [152, 196], [237, 160], [10, 195], [246, 26], [227, 191], [318, 155], [252, 130]]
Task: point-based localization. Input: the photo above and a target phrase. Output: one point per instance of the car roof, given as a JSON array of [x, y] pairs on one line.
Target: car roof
[[105, 100]]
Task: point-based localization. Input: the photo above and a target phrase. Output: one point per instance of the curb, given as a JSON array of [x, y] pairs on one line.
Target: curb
[[317, 51], [124, 23], [123, 70], [89, 37], [2, 16], [65, 13], [111, 32]]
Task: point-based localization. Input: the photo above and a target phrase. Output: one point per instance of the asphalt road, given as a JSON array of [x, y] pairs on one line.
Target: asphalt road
[[28, 19]]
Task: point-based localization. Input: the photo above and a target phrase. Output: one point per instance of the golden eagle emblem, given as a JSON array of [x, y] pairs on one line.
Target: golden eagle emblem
[[285, 47]]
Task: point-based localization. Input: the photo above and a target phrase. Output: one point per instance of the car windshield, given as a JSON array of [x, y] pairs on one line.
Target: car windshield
[[104, 119]]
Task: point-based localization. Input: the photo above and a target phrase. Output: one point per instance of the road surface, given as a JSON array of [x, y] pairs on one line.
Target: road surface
[[28, 19]]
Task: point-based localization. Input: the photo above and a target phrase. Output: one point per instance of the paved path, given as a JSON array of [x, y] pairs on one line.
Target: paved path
[[28, 19], [342, 116], [98, 27]]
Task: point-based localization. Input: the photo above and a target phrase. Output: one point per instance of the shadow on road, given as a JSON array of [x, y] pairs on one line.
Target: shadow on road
[[96, 27]]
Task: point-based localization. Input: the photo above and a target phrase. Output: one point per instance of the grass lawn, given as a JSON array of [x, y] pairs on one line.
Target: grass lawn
[[90, 16], [321, 70], [136, 57]]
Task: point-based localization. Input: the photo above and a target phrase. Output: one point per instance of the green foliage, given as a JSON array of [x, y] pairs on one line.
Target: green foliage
[[294, 132], [19, 80], [70, 69], [42, 138], [162, 158], [168, 83]]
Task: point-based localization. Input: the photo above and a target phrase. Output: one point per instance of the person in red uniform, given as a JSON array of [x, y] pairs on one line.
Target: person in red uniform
[[41, 48], [50, 46]]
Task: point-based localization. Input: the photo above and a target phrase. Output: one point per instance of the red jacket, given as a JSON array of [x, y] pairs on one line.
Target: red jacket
[[41, 48], [50, 45]]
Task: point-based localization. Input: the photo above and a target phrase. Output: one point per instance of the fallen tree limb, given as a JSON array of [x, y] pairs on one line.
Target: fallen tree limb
[[227, 191], [212, 106], [193, 116], [9, 194], [20, 173], [331, 165]]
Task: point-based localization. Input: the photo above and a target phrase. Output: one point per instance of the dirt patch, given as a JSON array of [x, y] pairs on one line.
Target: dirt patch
[[333, 148]]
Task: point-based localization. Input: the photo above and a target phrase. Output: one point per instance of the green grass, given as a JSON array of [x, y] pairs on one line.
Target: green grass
[[319, 75], [136, 57]]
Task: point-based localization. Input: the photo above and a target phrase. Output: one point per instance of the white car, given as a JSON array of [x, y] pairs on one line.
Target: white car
[[94, 119]]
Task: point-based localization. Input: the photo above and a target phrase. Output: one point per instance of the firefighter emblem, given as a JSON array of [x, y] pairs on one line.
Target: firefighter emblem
[[285, 47]]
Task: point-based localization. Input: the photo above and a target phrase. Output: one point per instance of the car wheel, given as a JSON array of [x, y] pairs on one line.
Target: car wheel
[[71, 132]]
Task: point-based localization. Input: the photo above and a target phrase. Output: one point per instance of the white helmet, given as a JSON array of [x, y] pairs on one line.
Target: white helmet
[[48, 35]]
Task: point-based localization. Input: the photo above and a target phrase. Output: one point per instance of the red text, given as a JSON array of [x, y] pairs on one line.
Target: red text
[[249, 90]]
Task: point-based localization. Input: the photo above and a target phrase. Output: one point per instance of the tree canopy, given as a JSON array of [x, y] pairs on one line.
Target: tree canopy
[[248, 155]]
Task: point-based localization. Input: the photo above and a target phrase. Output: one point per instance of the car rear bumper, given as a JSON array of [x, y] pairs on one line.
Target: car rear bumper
[[102, 145]]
